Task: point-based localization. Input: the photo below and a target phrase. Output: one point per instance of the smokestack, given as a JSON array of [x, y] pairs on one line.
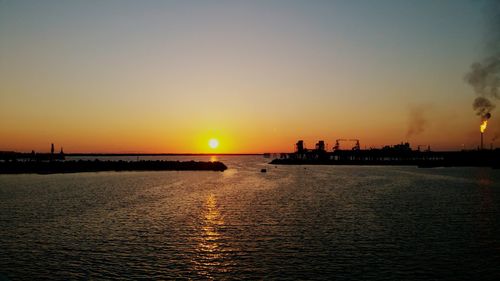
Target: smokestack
[[482, 140]]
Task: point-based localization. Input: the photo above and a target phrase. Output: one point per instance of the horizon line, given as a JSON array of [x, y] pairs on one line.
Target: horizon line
[[158, 154]]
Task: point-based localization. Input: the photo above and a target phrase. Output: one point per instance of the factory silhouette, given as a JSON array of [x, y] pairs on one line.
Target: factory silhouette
[[399, 154]]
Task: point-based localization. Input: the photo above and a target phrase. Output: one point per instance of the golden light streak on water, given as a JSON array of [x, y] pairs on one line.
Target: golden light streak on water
[[210, 255]]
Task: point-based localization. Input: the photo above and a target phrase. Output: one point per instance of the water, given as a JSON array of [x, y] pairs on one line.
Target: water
[[293, 222]]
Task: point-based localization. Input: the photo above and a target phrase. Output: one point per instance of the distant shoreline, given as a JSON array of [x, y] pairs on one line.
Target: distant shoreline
[[43, 156], [164, 154]]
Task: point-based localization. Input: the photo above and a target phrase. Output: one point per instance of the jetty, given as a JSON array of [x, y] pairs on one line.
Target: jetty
[[80, 166]]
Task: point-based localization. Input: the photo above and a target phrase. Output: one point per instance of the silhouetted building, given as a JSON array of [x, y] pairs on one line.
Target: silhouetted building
[[61, 154], [320, 146], [51, 158], [398, 147], [300, 146]]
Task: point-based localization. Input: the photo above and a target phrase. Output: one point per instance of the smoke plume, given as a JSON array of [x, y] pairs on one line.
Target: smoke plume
[[484, 76], [417, 123], [483, 107]]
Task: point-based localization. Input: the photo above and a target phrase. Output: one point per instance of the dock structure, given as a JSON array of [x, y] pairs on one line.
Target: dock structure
[[400, 154]]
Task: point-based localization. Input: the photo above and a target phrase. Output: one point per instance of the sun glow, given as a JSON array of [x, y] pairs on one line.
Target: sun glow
[[213, 143]]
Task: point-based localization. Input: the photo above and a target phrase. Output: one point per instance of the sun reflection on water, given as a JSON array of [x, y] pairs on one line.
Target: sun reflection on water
[[210, 254]]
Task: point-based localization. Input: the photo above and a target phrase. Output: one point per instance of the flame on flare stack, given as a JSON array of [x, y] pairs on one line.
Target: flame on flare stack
[[484, 123], [483, 126]]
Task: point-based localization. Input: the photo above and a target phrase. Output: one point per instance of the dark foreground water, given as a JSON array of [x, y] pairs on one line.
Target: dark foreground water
[[294, 222]]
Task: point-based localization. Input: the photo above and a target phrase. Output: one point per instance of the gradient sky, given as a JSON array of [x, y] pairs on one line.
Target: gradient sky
[[166, 76]]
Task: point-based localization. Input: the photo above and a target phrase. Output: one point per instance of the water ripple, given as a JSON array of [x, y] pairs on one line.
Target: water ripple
[[344, 223]]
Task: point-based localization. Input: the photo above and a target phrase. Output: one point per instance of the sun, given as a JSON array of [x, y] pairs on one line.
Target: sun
[[213, 143]]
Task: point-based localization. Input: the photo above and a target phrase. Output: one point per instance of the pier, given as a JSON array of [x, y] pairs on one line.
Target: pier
[[400, 154]]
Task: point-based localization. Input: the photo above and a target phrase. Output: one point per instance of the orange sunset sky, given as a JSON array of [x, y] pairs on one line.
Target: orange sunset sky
[[167, 76]]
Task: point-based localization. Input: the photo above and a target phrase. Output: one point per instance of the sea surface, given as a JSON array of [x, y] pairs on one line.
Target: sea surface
[[291, 223]]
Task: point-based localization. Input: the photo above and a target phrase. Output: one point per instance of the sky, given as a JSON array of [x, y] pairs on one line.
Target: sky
[[167, 76]]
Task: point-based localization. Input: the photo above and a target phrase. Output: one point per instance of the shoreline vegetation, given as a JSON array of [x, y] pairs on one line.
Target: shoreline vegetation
[[81, 166]]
